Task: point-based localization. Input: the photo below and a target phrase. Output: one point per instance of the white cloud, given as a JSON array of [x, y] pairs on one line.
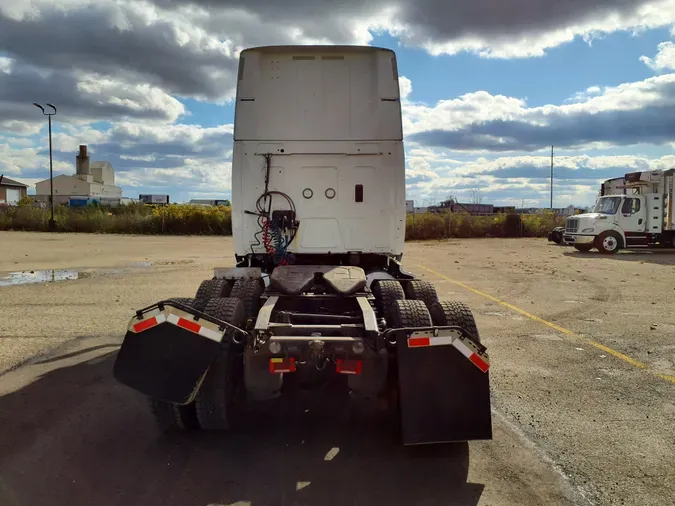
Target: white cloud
[[664, 59], [631, 113], [508, 180], [405, 87], [142, 52], [164, 158], [527, 29]]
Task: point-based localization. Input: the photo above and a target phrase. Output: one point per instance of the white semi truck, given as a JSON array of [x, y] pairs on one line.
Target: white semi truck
[[635, 211], [318, 291]]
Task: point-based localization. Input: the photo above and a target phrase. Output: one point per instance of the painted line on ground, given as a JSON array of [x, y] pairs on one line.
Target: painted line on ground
[[562, 330]]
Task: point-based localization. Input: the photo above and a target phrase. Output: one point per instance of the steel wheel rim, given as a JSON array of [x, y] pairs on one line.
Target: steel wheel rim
[[609, 243]]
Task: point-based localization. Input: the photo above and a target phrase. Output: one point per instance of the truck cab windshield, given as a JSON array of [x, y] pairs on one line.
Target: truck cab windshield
[[607, 205]]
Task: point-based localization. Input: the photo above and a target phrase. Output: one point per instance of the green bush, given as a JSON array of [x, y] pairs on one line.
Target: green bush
[[199, 220], [463, 225], [132, 219]]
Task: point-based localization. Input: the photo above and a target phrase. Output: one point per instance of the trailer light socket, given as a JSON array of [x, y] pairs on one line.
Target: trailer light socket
[[358, 347], [275, 347]]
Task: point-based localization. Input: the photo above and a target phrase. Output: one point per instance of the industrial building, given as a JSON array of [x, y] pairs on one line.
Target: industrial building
[[210, 202], [11, 191], [91, 180]]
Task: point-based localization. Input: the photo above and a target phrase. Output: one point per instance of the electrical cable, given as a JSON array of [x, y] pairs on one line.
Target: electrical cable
[[274, 244]]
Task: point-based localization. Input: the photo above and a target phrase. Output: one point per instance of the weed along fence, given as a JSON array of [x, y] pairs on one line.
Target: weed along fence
[[130, 219], [177, 219], [464, 225]]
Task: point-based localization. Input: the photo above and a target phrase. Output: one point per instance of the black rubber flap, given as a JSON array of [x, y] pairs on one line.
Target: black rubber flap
[[165, 362], [444, 397]]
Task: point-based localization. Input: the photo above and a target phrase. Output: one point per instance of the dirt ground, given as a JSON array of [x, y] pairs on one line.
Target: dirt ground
[[582, 348]]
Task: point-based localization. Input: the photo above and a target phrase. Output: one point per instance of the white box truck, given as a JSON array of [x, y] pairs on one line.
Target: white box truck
[[635, 211]]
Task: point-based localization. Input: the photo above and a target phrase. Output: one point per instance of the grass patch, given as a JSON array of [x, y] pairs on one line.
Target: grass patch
[[457, 225], [131, 219], [200, 220]]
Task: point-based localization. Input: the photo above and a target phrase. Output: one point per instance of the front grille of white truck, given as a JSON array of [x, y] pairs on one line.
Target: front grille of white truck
[[572, 225]]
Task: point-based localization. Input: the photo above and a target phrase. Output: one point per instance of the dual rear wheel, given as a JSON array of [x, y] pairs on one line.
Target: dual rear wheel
[[214, 405], [412, 304]]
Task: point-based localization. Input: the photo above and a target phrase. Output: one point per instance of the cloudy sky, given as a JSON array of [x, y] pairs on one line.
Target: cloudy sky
[[487, 85]]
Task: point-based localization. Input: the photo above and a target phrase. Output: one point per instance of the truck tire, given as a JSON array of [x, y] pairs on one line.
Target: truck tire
[[455, 313], [386, 292], [404, 313], [213, 289], [249, 291], [555, 235], [214, 404], [172, 417], [585, 248], [410, 313], [198, 304], [608, 242], [418, 289]]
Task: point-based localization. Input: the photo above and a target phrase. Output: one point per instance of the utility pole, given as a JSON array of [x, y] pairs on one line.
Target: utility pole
[[551, 177], [52, 223]]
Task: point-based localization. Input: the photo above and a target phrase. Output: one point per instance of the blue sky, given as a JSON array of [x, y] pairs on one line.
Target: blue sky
[[148, 86]]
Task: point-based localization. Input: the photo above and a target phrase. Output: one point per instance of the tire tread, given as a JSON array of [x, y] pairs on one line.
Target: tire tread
[[455, 313]]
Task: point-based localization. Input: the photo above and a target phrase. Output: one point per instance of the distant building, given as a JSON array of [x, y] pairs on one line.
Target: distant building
[[457, 207], [155, 199], [11, 192], [91, 180], [209, 202]]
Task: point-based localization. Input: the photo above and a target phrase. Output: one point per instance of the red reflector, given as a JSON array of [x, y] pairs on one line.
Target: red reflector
[[187, 324], [279, 365], [418, 341], [477, 360], [348, 366], [145, 324]]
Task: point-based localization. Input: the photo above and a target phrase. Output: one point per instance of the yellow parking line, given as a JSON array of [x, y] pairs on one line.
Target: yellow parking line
[[562, 330]]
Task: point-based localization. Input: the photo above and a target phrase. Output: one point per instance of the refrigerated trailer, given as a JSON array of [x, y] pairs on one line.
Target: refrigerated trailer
[[318, 288], [635, 211]]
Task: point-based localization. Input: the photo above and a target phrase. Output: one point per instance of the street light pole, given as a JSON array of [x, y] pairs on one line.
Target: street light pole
[[52, 223]]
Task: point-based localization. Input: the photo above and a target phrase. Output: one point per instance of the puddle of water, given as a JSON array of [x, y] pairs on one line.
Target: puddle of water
[[45, 276], [53, 275]]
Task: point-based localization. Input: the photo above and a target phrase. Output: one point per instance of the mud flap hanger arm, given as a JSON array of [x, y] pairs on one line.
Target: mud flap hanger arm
[[197, 315], [433, 331]]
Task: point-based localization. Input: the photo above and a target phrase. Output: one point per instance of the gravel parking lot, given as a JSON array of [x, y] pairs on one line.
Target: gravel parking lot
[[583, 378]]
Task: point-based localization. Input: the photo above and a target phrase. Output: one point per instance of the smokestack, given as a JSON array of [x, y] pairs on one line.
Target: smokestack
[[82, 162]]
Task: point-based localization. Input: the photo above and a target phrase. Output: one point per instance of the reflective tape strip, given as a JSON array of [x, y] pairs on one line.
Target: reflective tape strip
[[419, 342], [149, 323], [463, 348], [195, 327], [479, 362], [211, 334], [188, 325], [475, 358]]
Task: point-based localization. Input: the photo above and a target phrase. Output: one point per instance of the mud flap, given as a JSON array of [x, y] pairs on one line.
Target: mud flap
[[165, 362], [444, 397]]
